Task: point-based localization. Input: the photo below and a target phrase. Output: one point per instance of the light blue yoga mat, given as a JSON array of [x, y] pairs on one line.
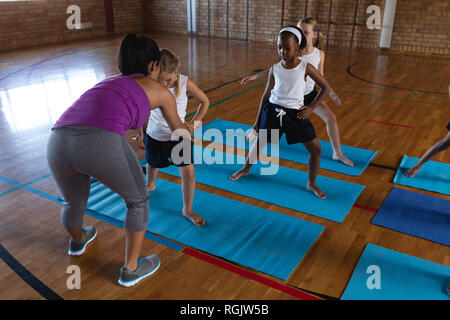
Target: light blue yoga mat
[[286, 187], [297, 152], [260, 239], [433, 176], [416, 214], [402, 277]]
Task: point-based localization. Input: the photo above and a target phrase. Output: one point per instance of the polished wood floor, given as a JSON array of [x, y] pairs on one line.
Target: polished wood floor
[[406, 95]]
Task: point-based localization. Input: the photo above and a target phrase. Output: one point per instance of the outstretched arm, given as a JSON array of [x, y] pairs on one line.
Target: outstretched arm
[[255, 76]]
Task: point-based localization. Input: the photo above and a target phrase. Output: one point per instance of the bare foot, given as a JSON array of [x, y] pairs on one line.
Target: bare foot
[[343, 159], [411, 172], [194, 218], [243, 172], [315, 189], [151, 187]]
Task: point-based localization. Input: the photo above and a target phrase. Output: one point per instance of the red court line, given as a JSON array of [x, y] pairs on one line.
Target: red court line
[[365, 207], [270, 283], [391, 124]]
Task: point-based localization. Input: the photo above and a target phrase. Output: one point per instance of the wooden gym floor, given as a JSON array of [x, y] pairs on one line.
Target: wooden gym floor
[[396, 104]]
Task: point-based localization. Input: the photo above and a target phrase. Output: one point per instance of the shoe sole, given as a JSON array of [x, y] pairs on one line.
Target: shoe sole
[[133, 282], [80, 252]]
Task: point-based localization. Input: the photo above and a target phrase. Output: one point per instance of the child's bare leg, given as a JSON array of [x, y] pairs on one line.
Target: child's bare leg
[[315, 150], [187, 174], [151, 177], [440, 146], [324, 112], [252, 157]]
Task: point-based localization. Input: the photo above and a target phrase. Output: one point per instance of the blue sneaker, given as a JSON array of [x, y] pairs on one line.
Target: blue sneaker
[[146, 266], [77, 248]]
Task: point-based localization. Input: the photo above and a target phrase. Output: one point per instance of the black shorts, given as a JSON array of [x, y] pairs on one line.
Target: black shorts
[[159, 153], [448, 126], [310, 97], [296, 130]]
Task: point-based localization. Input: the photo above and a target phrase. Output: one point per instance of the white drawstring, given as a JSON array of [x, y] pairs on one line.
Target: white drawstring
[[280, 114]]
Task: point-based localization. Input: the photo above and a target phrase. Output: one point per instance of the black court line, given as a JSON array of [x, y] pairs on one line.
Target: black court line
[[388, 86], [27, 276], [232, 81], [382, 166]]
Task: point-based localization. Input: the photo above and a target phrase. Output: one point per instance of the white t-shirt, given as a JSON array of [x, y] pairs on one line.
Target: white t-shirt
[[313, 59], [157, 127], [289, 87]]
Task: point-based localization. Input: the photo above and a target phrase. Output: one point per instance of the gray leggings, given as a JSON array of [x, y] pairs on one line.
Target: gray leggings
[[76, 153]]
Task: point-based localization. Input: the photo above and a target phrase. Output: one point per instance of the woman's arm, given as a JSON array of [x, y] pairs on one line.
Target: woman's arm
[[198, 94], [306, 111]]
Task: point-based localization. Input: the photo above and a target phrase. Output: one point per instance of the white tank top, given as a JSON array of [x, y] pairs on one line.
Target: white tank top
[[157, 127], [313, 59], [289, 87]]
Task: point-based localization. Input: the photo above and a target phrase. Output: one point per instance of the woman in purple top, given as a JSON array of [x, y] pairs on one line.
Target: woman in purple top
[[89, 140]]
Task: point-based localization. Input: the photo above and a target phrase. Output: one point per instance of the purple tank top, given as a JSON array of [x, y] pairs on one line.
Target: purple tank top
[[115, 104]]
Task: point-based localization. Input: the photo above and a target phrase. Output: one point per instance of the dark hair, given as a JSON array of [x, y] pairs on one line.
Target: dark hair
[[136, 53], [302, 43]]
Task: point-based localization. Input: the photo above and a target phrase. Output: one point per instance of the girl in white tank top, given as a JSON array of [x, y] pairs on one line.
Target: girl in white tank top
[[159, 144], [312, 54], [316, 57], [283, 97]]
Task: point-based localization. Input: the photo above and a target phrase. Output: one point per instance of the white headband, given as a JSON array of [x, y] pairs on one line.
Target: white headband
[[294, 31]]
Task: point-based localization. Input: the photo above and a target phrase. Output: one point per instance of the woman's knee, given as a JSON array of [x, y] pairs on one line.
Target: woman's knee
[[137, 214], [72, 214]]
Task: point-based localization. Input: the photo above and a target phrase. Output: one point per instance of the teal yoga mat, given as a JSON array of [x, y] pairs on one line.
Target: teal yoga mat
[[297, 152], [260, 239], [433, 176], [286, 188], [401, 277]]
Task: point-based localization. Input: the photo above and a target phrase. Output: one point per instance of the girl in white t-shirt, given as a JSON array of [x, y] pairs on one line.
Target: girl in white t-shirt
[[158, 143]]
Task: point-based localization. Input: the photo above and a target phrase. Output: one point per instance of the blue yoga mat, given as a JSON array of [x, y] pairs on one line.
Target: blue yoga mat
[[260, 239], [286, 188], [402, 277], [433, 176], [297, 152], [416, 214]]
